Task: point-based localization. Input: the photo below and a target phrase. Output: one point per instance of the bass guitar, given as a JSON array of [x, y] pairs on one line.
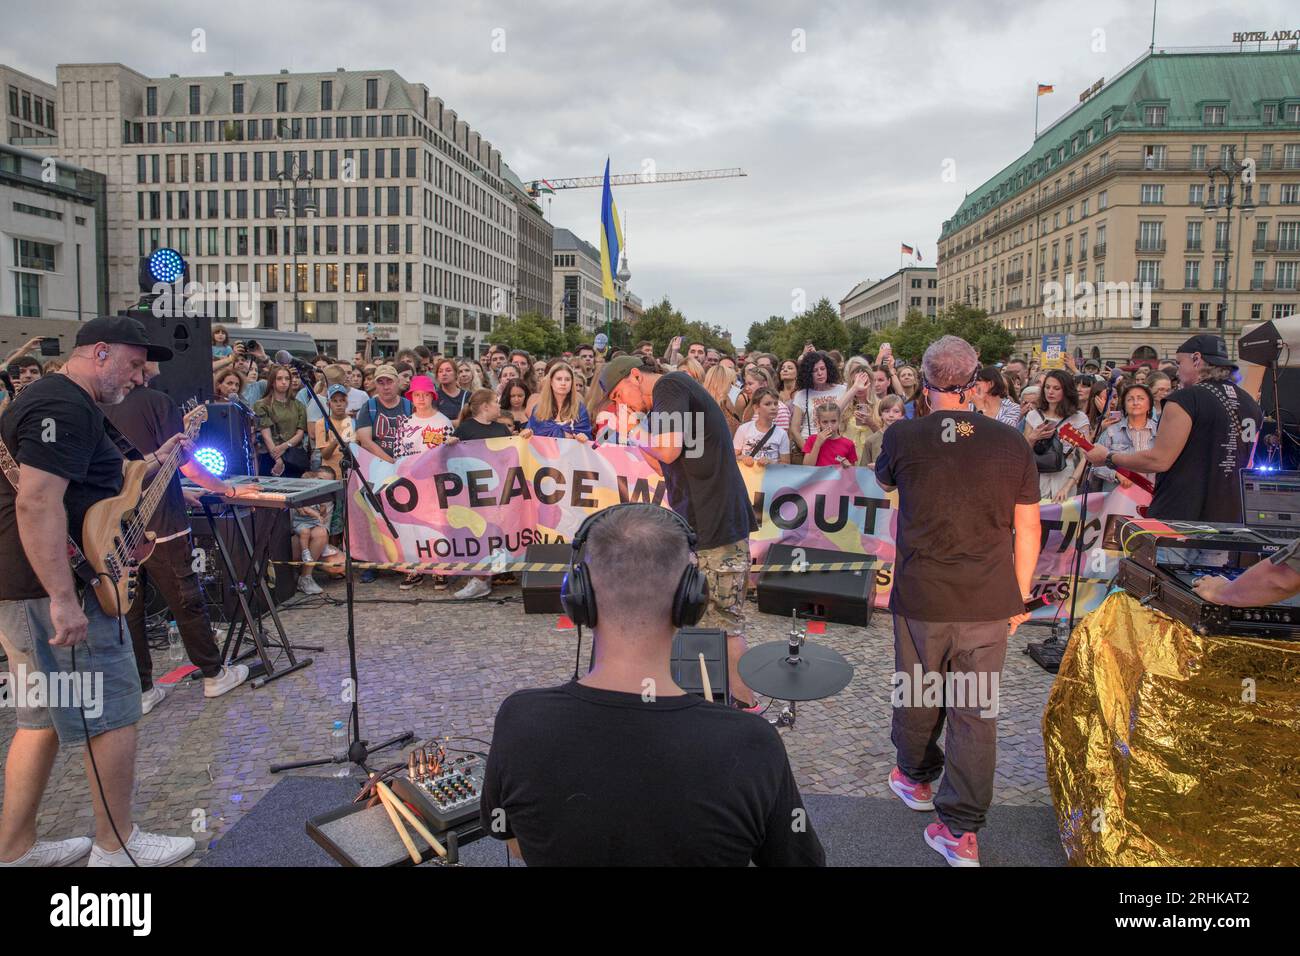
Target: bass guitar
[[1074, 437], [114, 533]]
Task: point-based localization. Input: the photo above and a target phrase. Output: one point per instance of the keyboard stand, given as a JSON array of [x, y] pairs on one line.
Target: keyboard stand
[[253, 583]]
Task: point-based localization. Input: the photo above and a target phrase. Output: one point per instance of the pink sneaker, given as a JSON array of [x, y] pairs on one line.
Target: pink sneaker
[[918, 796], [958, 852]]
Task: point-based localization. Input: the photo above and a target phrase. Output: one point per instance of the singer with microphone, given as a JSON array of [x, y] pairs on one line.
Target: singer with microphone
[[962, 579]]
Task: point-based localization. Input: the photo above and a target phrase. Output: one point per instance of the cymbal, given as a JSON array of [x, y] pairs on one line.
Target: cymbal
[[816, 673]]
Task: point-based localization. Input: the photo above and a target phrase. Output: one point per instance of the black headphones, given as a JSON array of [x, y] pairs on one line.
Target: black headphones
[[579, 600]]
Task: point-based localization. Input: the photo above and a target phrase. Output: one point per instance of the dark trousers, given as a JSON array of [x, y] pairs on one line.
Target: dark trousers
[[966, 657], [172, 573]]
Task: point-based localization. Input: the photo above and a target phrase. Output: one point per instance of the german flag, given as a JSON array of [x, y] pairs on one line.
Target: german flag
[[905, 249], [1045, 88]]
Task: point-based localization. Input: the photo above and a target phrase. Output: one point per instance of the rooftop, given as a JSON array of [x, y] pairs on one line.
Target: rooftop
[[1182, 81]]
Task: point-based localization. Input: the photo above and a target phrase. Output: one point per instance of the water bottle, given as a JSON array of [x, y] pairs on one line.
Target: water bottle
[[339, 748], [1061, 630], [175, 648]]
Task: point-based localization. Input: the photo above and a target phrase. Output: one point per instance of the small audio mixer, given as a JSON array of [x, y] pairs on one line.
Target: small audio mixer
[[445, 793]]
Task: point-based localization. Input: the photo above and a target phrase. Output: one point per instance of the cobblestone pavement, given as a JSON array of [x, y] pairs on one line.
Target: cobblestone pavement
[[438, 667]]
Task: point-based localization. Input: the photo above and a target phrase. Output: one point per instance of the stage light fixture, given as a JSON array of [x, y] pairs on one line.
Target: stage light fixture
[[162, 265], [211, 459]]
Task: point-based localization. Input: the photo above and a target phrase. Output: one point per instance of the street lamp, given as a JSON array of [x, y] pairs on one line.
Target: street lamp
[[287, 203], [1226, 176]]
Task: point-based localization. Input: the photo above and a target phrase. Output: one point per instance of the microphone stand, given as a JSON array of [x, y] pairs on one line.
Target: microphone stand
[[358, 750]]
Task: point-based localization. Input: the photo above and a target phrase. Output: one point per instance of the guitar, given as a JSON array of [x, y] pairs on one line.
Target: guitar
[[114, 533], [1072, 435]]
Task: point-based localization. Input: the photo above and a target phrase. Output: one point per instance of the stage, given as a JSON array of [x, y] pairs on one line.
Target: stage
[[444, 669]]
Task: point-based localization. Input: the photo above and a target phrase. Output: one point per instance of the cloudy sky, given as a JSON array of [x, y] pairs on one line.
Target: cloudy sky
[[842, 114]]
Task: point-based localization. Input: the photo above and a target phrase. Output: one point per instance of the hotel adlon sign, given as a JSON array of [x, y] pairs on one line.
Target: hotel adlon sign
[[1263, 36]]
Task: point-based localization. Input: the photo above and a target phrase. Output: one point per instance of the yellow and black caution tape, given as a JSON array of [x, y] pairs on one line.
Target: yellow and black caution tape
[[494, 567]]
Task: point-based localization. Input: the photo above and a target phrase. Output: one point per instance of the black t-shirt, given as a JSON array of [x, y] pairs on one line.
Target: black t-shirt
[[590, 777], [1202, 484], [704, 483], [960, 476], [451, 405], [386, 425], [54, 425], [147, 418], [470, 430]]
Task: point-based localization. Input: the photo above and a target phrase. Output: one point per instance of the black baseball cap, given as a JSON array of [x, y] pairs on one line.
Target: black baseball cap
[[1214, 351], [121, 330]]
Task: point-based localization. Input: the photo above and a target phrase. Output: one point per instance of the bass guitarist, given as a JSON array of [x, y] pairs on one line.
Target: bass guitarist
[[52, 626]]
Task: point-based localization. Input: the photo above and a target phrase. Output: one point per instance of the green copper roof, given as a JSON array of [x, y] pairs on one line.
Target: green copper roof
[[1184, 83]]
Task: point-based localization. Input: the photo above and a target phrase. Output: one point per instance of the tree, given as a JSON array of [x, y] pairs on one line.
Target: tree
[[820, 325], [536, 334], [913, 336], [659, 324], [763, 335]]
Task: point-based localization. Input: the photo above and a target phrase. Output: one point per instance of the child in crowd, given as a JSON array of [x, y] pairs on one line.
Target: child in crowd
[[762, 440], [310, 524], [828, 446], [480, 419], [892, 409]]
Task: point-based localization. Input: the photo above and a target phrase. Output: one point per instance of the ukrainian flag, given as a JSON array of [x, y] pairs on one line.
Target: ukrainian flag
[[611, 240]]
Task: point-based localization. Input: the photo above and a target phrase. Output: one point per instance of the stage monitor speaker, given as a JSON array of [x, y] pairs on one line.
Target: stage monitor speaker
[[217, 590], [188, 373], [1288, 396], [844, 597], [542, 588], [225, 442]]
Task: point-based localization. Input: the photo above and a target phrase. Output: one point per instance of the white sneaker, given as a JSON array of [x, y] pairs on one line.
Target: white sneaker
[[148, 849], [151, 698], [475, 589], [230, 677], [306, 555], [329, 551], [53, 852], [307, 585]]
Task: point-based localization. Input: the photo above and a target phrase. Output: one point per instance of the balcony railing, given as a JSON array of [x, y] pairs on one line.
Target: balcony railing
[[1276, 245], [1261, 285], [1157, 283], [1013, 277], [1150, 245], [1099, 251], [1194, 245], [1191, 284]]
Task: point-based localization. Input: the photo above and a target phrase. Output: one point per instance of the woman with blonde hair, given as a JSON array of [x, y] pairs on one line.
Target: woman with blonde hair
[[717, 382], [469, 377], [694, 369], [558, 412]]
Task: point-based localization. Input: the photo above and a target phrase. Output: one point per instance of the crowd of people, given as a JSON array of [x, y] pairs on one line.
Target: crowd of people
[[820, 409]]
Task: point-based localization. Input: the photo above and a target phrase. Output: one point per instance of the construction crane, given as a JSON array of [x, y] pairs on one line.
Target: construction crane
[[540, 186]]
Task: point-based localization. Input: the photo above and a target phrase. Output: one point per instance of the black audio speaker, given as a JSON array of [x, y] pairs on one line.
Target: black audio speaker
[[1288, 396], [188, 373], [229, 432], [218, 590], [542, 588], [844, 597]]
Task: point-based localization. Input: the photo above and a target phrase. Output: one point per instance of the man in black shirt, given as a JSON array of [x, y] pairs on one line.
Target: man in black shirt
[[689, 438], [147, 418], [68, 462], [623, 768], [967, 546], [1207, 435]]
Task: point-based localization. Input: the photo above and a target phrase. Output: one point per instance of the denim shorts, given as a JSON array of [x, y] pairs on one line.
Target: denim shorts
[[104, 685]]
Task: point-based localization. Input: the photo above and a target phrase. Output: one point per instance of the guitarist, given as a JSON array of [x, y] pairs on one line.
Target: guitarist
[[49, 624], [1206, 436], [147, 418]]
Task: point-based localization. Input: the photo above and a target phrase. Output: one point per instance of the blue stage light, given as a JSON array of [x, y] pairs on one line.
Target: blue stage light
[[166, 265], [211, 459]]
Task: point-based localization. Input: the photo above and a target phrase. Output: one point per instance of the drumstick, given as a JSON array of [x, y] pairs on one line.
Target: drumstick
[[704, 676], [414, 819], [385, 798]]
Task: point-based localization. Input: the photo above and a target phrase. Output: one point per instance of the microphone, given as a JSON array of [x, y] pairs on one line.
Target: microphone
[[283, 357], [1042, 600]]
